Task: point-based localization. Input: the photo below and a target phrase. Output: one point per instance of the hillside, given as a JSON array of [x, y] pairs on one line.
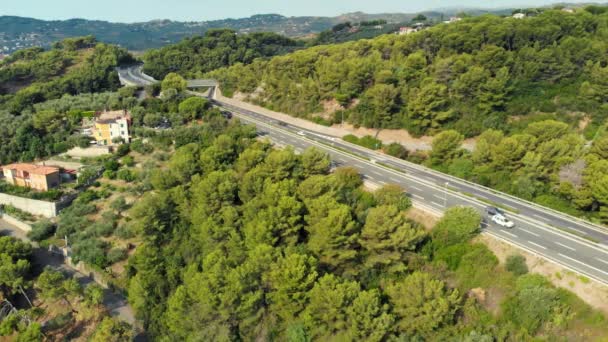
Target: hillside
[[18, 33], [215, 49], [534, 87], [32, 76]]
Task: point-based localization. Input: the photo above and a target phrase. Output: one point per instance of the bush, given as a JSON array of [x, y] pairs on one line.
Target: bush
[[116, 255], [91, 251], [128, 161], [126, 175], [42, 230], [396, 150], [124, 232], [516, 264], [109, 174], [367, 141]]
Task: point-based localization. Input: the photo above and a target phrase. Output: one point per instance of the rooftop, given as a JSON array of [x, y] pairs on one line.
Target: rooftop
[[32, 169]]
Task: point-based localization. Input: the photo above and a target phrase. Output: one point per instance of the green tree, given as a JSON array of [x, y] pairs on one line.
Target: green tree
[[290, 278], [174, 81], [392, 194], [458, 224], [111, 329], [422, 304], [315, 162], [428, 108], [193, 107], [327, 312], [446, 147], [387, 237], [332, 232]]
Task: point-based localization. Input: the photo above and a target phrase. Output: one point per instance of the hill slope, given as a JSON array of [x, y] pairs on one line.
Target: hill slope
[[18, 33], [533, 91]]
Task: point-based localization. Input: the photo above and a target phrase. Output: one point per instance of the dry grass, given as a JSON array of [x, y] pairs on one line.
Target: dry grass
[[591, 292]]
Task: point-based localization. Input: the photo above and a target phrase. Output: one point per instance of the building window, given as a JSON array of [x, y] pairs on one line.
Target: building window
[[121, 125]]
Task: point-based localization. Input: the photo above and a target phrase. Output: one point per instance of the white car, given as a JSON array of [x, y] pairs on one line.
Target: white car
[[503, 221], [301, 133]]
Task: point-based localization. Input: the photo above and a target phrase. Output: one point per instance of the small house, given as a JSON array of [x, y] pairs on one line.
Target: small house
[[37, 177]]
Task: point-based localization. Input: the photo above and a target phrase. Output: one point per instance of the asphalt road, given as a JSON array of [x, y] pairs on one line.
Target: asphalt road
[[578, 245]]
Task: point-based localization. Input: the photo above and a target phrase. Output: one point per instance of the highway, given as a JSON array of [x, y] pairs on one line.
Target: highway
[[576, 244]]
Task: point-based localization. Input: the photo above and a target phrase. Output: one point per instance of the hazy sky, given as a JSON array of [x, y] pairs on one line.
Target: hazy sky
[[198, 10]]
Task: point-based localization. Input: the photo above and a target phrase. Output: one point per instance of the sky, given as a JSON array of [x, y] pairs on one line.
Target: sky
[[200, 10]]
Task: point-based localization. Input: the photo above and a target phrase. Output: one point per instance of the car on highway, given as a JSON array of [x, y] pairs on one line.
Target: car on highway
[[491, 211], [281, 123], [301, 133], [502, 221]]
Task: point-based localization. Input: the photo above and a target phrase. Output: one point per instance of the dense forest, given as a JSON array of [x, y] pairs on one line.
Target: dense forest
[[242, 241], [34, 81], [503, 80], [215, 49]]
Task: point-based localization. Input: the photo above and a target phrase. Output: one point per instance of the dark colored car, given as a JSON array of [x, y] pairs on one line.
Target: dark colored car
[[491, 211], [281, 123]]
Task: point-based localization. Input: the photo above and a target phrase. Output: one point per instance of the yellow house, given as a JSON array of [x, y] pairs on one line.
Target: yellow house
[[111, 125], [32, 176]]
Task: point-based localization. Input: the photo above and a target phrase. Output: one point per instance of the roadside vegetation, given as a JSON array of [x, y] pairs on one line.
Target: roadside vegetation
[[242, 241], [531, 92]]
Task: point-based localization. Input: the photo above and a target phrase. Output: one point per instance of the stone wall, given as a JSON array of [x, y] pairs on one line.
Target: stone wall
[[34, 207]]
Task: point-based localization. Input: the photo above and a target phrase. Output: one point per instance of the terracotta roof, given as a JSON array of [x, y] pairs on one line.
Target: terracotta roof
[[33, 169]]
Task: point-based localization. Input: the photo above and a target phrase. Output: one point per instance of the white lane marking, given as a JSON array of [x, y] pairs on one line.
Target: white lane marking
[[370, 177], [413, 176], [381, 182], [437, 204], [529, 232], [415, 188], [568, 247], [537, 245], [538, 216], [602, 260], [418, 196], [582, 263], [376, 173], [440, 197], [396, 180], [510, 234]]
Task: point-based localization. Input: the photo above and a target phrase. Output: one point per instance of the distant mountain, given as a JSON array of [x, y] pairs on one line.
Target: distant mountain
[[18, 32]]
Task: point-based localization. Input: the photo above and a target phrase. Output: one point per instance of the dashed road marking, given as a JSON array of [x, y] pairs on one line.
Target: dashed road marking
[[565, 246], [537, 245], [529, 232], [439, 197], [437, 204], [396, 180], [602, 260], [582, 263], [418, 196], [510, 234], [415, 188]]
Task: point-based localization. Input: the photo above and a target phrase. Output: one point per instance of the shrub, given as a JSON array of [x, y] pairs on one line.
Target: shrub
[[116, 255], [516, 264], [367, 141], [42, 230], [126, 175], [128, 161], [396, 150]]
